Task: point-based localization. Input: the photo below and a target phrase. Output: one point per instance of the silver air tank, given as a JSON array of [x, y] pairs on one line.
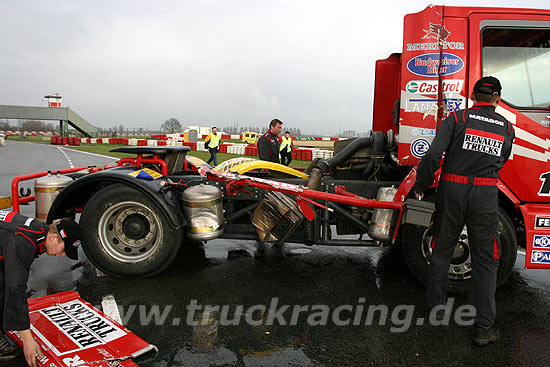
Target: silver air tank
[[45, 191], [202, 207], [383, 220]]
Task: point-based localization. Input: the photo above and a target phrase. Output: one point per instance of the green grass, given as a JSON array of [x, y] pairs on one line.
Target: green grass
[[31, 139]]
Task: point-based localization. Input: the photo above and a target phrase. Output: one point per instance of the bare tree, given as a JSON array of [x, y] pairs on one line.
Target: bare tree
[[33, 125], [172, 125]]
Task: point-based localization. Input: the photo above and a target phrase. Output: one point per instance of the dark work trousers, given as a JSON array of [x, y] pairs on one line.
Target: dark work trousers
[[286, 156], [213, 156], [477, 206]]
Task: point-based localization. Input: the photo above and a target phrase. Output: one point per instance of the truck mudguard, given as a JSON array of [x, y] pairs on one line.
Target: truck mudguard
[[81, 190]]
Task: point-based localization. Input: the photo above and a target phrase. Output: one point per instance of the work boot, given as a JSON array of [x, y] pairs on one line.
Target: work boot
[[7, 350], [483, 336]]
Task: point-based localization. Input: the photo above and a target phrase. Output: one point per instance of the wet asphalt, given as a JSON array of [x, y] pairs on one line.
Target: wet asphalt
[[252, 275]]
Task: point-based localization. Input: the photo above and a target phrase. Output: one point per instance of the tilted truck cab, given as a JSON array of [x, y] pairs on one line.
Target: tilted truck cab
[[445, 51]]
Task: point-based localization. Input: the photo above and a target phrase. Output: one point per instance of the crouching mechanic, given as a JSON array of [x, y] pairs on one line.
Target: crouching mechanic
[[22, 239], [477, 142]]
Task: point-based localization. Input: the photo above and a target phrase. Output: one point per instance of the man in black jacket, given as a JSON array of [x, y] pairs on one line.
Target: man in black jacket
[[22, 239], [268, 144], [477, 142]]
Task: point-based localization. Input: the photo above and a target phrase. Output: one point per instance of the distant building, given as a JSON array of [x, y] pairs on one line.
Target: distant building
[[349, 134]]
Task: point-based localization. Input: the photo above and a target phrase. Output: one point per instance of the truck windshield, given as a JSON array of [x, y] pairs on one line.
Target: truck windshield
[[520, 59]]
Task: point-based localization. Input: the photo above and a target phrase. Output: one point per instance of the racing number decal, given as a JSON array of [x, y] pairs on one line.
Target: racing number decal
[[545, 188]]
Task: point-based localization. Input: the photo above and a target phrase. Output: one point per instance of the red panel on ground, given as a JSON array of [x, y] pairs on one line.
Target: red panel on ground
[[71, 332]]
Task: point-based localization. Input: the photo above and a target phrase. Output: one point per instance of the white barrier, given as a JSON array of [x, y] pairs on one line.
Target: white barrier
[[132, 142], [200, 145], [151, 143], [235, 137]]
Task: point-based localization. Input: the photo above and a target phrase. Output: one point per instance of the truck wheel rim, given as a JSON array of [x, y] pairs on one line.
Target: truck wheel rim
[[461, 262], [129, 232]]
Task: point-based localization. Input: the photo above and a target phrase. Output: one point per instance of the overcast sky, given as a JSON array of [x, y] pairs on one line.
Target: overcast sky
[[309, 63]]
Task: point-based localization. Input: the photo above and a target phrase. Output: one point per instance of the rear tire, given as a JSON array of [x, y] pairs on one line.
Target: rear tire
[[124, 233], [415, 246]]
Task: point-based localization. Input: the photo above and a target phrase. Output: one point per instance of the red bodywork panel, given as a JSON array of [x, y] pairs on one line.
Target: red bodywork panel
[[420, 83], [386, 87], [71, 332]]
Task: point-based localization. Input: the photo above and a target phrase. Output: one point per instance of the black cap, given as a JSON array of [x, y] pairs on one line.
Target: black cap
[[488, 85], [69, 231]]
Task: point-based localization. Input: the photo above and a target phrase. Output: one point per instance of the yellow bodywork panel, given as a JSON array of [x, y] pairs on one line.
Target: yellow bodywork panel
[[243, 165], [195, 160], [5, 202]]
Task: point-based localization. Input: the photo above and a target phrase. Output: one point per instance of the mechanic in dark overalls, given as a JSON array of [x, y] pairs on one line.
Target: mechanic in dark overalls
[[268, 143], [477, 142], [22, 239]]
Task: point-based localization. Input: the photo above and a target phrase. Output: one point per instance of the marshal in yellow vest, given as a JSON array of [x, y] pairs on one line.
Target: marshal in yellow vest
[[286, 143]]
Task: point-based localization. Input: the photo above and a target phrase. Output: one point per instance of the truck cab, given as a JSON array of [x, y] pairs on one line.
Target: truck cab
[[445, 51]]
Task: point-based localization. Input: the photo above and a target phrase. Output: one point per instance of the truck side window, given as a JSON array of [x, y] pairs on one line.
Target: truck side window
[[520, 59]]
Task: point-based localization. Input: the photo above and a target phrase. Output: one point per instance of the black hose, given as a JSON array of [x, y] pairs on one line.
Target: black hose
[[327, 164], [369, 169], [378, 144]]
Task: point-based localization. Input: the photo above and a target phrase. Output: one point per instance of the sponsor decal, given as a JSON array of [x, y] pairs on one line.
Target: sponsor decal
[[545, 187], [428, 64], [412, 87], [146, 174], [541, 241], [232, 163], [485, 119], [6, 216], [408, 134], [542, 222], [82, 324], [540, 257], [436, 31], [63, 234], [431, 86], [434, 46], [439, 33], [418, 131], [28, 222], [427, 104], [419, 147], [483, 142]]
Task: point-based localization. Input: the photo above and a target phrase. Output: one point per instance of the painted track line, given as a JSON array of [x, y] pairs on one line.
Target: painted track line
[[67, 157], [72, 150], [110, 308], [94, 154]]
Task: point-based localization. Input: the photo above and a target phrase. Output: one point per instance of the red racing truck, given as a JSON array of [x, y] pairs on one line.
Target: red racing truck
[[137, 214]]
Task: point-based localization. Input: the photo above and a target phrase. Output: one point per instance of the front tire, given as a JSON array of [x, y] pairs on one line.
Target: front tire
[[415, 245], [124, 233]]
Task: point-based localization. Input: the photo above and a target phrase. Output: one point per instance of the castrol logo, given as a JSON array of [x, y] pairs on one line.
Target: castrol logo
[[430, 87]]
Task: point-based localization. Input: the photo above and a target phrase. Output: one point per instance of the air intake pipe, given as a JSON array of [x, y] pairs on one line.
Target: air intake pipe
[[377, 141]]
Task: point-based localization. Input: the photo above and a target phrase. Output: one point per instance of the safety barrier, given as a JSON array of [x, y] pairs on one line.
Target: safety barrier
[[300, 153]]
